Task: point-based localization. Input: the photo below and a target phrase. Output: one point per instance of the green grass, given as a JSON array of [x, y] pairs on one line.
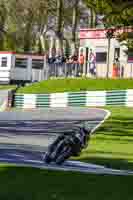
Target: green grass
[[6, 87], [33, 184], [110, 146], [112, 143], [65, 85]]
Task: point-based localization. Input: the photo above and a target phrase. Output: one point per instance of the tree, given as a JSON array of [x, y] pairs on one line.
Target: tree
[[59, 26], [119, 15], [26, 22], [97, 7], [126, 39], [3, 18], [75, 17]]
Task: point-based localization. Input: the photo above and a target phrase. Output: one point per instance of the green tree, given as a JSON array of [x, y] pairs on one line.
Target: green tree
[[3, 17]]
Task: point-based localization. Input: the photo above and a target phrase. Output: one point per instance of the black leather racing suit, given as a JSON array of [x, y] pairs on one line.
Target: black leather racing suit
[[67, 145]]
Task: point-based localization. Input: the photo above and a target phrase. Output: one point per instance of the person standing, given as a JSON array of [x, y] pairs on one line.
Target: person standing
[[51, 64], [69, 63], [81, 63], [75, 65], [92, 63]]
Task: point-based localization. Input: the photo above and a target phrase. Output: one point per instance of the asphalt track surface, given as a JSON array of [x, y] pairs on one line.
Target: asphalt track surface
[[25, 136]]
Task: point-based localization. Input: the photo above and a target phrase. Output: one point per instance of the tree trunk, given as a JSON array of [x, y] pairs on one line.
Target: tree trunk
[[92, 18], [59, 39], [51, 46], [2, 25], [27, 38], [74, 25], [28, 32], [1, 40]]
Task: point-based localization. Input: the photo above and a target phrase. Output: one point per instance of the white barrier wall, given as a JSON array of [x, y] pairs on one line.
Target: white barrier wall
[[84, 98], [59, 100], [96, 98], [129, 98], [128, 70], [30, 101]]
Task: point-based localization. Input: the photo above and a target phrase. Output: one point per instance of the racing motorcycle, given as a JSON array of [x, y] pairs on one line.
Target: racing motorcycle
[[66, 146]]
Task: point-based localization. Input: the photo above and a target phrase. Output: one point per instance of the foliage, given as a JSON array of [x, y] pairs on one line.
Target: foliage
[[126, 39], [116, 13], [26, 25]]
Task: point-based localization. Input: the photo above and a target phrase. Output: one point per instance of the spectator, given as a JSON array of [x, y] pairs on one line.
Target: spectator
[[69, 63], [81, 63], [122, 71], [117, 62], [92, 63], [51, 64], [60, 64], [75, 64]]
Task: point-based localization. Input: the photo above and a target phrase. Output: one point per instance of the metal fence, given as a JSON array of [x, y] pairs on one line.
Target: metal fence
[[63, 70], [68, 70], [76, 70]]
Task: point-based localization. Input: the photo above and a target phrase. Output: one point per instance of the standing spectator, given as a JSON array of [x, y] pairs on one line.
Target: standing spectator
[[117, 62], [63, 65], [58, 64], [75, 64], [69, 64], [51, 64], [81, 63], [122, 71], [92, 63]]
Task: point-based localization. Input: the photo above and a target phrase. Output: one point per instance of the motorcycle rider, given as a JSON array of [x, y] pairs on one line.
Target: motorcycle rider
[[67, 145]]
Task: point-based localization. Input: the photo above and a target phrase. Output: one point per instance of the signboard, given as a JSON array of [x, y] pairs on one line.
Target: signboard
[[92, 34], [101, 33]]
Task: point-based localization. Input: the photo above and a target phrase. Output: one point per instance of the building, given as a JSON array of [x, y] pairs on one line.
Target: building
[[95, 40], [21, 68]]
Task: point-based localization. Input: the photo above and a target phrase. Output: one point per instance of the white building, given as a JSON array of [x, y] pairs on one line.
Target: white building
[[96, 40], [21, 68]]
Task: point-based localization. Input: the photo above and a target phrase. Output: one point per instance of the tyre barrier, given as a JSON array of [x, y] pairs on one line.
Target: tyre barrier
[[75, 99]]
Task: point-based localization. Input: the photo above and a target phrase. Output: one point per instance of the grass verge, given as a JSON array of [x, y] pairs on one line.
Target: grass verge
[[6, 87], [65, 85], [112, 144], [17, 183]]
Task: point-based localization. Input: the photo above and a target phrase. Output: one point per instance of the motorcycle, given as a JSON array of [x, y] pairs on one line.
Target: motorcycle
[[58, 154], [66, 146]]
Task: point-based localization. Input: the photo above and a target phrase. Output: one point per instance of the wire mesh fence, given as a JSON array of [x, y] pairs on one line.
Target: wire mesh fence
[[64, 70]]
